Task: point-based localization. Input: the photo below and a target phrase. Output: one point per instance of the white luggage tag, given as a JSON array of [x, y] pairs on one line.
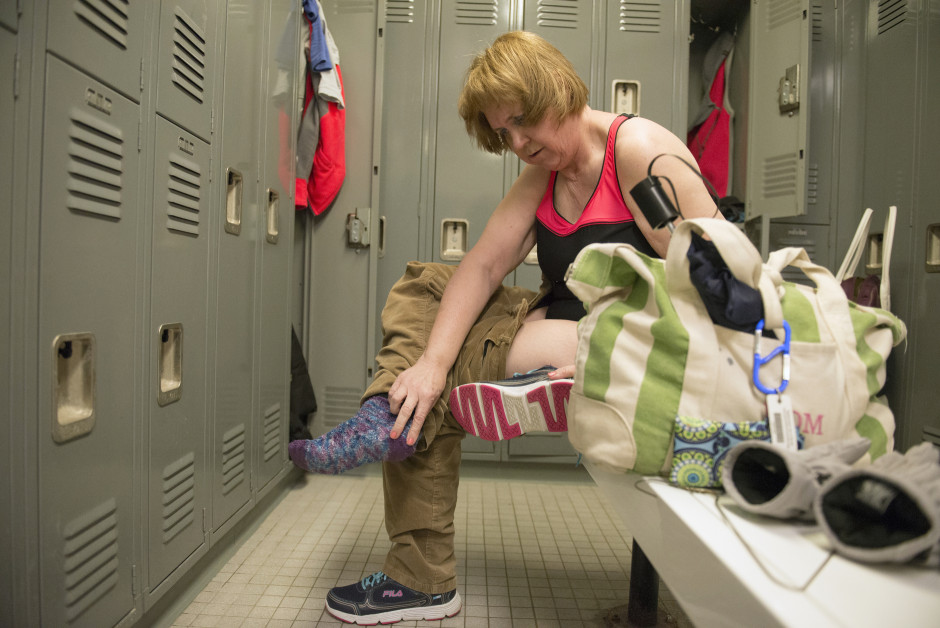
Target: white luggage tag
[[780, 418]]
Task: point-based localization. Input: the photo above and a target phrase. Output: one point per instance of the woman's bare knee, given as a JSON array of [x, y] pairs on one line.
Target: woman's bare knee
[[541, 342]]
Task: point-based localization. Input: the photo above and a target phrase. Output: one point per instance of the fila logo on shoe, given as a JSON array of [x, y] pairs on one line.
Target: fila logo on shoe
[[397, 593]]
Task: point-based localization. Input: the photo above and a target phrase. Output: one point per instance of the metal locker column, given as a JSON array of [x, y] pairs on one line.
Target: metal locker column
[[895, 55], [647, 42], [87, 349], [237, 232], [7, 121], [176, 467], [105, 38], [277, 208], [468, 181], [406, 123], [778, 111], [188, 54]]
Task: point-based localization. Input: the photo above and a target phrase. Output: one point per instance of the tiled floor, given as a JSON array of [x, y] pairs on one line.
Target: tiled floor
[[537, 545]]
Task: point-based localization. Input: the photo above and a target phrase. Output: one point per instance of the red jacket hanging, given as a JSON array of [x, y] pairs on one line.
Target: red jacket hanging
[[710, 141]]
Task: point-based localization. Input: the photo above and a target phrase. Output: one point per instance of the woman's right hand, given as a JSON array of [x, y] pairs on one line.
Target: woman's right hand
[[413, 394]]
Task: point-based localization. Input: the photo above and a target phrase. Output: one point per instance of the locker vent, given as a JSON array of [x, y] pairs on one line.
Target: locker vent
[[272, 431], [183, 196], [189, 56], [179, 494], [782, 12], [108, 17], [90, 552], [233, 458], [817, 33], [96, 155], [641, 16], [558, 13], [891, 13], [476, 13], [341, 404], [402, 11], [800, 237], [779, 176], [812, 184], [351, 6]]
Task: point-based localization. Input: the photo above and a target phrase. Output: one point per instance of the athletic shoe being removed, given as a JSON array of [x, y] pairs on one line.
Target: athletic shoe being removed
[[524, 403], [377, 599]]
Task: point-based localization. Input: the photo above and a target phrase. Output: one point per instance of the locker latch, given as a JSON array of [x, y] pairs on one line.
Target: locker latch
[[788, 92], [357, 228]]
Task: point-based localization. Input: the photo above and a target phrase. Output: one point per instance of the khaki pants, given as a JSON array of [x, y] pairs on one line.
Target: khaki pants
[[421, 491]]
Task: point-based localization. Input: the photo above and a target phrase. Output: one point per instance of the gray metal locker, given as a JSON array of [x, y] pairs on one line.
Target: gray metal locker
[[237, 230], [87, 360], [892, 128], [276, 224], [778, 116], [812, 230], [176, 465], [106, 38], [339, 314], [7, 122], [644, 48], [406, 121], [468, 182], [187, 53]]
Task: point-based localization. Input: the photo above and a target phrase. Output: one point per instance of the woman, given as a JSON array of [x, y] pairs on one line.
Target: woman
[[521, 94]]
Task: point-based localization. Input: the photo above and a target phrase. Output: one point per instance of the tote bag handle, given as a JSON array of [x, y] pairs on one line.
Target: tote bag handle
[[738, 252]]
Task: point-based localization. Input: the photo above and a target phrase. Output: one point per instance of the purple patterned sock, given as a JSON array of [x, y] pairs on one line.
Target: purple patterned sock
[[360, 440]]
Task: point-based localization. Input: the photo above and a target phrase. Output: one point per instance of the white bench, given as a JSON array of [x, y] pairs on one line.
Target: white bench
[[729, 568]]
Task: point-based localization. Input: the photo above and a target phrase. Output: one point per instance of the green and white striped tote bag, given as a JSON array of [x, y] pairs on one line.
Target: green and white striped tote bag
[[648, 351]]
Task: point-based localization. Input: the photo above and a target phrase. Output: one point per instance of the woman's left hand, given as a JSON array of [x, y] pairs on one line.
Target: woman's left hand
[[565, 372]]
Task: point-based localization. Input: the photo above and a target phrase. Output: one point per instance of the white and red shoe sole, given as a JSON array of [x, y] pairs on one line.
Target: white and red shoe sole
[[495, 412]]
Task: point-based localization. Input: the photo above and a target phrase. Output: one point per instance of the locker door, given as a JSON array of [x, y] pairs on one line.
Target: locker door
[[406, 111], [106, 38], [277, 206], [468, 181], [925, 412], [187, 63], [779, 109], [176, 427], [237, 235], [7, 120], [647, 42], [889, 171], [87, 349]]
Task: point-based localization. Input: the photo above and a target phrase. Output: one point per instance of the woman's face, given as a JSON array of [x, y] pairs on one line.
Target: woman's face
[[539, 144]]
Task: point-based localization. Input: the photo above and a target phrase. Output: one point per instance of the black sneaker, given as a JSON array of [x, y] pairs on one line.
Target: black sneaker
[[378, 599]]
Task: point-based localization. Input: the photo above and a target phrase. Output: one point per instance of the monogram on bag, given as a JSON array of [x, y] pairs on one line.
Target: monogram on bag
[[648, 351]]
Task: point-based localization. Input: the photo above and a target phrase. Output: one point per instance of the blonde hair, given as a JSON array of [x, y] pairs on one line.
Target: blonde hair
[[519, 68]]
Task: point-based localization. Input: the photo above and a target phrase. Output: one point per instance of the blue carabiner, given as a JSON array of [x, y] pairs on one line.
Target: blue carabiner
[[760, 361]]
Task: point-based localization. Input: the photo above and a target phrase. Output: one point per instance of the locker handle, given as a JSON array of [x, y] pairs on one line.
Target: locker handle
[[73, 381], [932, 254], [271, 216], [233, 201], [381, 236], [170, 363]]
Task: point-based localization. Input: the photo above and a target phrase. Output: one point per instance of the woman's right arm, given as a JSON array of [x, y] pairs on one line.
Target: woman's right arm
[[507, 238]]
